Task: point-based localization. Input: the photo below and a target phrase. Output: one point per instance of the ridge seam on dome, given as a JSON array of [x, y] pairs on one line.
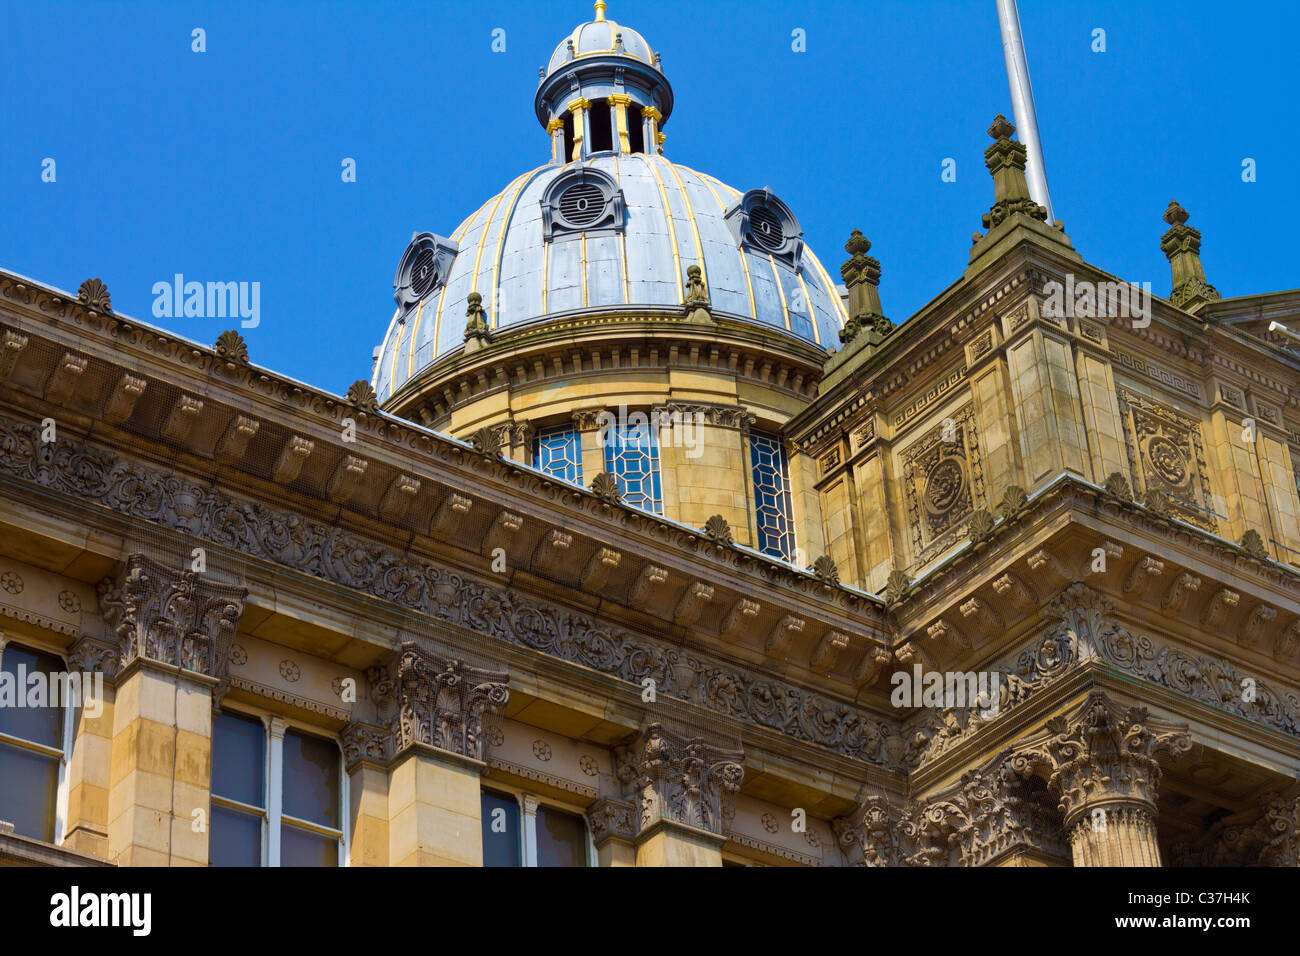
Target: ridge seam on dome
[[672, 231], [690, 217]]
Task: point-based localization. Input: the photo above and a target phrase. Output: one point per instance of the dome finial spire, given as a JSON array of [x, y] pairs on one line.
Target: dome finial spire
[[600, 11]]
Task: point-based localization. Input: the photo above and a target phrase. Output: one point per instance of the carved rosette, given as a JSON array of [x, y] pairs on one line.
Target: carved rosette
[[171, 617], [1101, 764], [685, 781], [441, 702]]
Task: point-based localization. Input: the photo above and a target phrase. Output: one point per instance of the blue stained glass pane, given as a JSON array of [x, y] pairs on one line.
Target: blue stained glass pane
[[772, 506], [632, 457], [556, 452]]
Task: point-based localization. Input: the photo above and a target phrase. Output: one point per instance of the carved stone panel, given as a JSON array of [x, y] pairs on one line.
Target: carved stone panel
[[1166, 454], [943, 483]]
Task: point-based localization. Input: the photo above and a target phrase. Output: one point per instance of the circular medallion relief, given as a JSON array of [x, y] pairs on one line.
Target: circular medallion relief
[[944, 485], [1167, 459]]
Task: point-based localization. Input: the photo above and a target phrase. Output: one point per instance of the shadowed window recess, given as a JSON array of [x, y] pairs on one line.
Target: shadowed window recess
[[32, 745]]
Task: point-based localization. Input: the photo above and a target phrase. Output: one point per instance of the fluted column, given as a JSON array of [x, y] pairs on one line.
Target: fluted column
[[1101, 765]]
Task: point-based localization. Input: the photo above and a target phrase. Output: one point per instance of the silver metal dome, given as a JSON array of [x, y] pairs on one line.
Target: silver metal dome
[[528, 261]]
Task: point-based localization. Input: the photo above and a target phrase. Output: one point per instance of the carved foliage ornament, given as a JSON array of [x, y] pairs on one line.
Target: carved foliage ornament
[[687, 781], [172, 617]]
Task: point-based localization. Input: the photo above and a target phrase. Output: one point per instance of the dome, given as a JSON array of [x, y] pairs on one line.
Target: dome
[[615, 231], [601, 36]]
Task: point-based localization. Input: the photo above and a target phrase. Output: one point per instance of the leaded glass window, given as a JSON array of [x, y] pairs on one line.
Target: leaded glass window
[[771, 476], [632, 457], [558, 453]]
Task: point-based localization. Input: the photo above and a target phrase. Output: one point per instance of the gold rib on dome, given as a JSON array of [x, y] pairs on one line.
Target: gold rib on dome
[[690, 217], [672, 231], [749, 285]]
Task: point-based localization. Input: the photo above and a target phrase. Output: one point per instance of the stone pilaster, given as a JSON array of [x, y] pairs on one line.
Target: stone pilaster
[[685, 790], [613, 830], [433, 748], [174, 630], [1101, 765], [89, 769]]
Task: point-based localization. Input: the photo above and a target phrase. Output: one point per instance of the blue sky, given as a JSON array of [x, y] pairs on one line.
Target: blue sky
[[225, 165]]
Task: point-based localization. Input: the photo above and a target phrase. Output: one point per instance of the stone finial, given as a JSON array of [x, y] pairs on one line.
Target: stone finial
[[477, 332], [1182, 247], [1006, 161], [825, 570], [896, 586], [94, 294], [605, 487], [718, 531], [861, 275], [1253, 544]]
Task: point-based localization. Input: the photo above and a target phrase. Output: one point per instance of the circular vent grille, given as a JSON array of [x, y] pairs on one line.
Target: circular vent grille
[[766, 228], [423, 275], [582, 203]]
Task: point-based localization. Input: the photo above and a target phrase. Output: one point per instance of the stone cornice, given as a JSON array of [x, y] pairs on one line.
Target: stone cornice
[[610, 342], [304, 428], [308, 547]]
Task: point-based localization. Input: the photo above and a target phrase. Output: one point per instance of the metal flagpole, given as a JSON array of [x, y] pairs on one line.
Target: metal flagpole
[[1022, 102]]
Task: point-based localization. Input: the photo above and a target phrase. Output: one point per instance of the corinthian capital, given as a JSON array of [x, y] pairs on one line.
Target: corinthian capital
[[172, 617], [869, 834], [1103, 756], [686, 781], [440, 702]]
